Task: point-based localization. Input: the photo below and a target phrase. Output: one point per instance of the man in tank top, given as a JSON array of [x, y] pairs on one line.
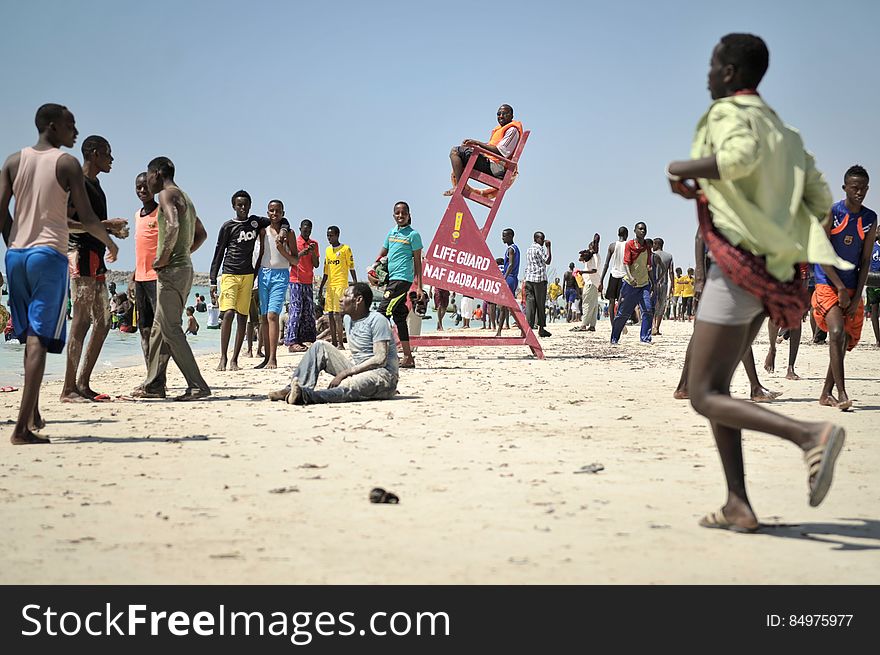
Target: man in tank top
[[41, 178], [272, 277], [614, 260]]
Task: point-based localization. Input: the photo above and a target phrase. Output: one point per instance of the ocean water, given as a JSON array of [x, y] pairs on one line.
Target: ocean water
[[120, 349], [123, 349]]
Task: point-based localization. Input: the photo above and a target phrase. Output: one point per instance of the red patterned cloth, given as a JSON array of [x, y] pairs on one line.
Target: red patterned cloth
[[784, 302]]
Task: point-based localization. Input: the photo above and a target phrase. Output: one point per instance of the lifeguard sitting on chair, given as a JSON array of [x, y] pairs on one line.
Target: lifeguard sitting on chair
[[503, 142]]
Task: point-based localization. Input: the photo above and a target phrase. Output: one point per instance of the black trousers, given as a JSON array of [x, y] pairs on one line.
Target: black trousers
[[536, 299]]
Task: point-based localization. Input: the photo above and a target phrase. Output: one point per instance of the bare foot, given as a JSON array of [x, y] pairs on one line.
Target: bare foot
[[407, 362], [281, 394], [844, 402], [791, 375], [39, 422], [828, 400], [762, 395], [271, 364], [74, 397], [770, 361], [87, 392], [233, 365], [222, 365], [28, 438], [295, 397], [296, 348], [681, 394]]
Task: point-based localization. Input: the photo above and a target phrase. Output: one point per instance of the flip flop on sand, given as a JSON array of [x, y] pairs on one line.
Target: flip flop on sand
[[718, 521], [102, 398], [191, 395], [820, 464], [30, 440], [8, 389], [379, 495]]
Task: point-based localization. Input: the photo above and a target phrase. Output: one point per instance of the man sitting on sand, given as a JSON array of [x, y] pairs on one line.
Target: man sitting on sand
[[502, 142], [369, 374]]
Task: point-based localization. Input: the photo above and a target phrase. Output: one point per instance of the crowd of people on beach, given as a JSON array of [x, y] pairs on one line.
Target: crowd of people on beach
[[770, 244]]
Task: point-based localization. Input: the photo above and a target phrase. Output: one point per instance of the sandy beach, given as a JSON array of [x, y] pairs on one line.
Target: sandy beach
[[482, 446]]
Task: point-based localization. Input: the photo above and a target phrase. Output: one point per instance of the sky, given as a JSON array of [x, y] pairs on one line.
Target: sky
[[342, 108]]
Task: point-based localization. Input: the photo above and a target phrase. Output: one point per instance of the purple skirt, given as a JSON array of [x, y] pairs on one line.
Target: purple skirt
[[301, 316]]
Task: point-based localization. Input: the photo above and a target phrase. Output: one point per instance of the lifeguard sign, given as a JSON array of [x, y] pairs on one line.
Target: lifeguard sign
[[459, 259]]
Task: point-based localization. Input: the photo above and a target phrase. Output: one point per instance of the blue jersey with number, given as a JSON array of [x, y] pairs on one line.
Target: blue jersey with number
[[848, 233]]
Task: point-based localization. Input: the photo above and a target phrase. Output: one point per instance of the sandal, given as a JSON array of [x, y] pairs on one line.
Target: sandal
[[193, 394], [30, 440], [140, 392], [820, 464], [379, 495], [718, 521]]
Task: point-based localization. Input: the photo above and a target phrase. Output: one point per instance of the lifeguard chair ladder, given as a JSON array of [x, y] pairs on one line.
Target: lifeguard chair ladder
[[457, 257]]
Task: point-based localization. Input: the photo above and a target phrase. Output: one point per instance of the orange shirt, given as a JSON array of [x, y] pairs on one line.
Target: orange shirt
[[146, 241]]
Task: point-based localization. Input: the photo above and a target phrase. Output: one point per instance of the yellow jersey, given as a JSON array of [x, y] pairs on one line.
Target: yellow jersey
[[337, 263]]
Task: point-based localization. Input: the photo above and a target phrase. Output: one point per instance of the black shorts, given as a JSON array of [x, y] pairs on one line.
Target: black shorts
[[483, 164], [613, 290], [145, 302], [394, 306]]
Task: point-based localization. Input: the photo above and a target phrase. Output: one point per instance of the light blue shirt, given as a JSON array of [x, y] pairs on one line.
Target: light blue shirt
[[400, 243], [362, 334]]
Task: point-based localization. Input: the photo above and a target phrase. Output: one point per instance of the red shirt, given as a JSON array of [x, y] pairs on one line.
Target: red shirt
[[304, 272]]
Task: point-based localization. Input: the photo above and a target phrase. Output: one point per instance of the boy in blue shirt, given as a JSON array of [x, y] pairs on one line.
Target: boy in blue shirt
[[403, 247], [837, 301]]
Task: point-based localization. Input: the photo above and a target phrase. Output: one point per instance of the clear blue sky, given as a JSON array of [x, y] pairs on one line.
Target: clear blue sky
[[342, 108]]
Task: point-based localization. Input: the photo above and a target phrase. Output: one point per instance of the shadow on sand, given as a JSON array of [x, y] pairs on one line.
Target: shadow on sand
[[863, 529]]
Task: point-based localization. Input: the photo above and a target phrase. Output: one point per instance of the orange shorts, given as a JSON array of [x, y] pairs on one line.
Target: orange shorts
[[824, 299]]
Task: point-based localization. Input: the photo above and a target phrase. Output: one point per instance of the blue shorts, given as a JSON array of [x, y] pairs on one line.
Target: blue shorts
[[571, 295], [37, 279], [512, 284], [273, 285]]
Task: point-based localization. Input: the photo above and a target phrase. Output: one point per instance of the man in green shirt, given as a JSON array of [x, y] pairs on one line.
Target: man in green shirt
[[180, 234], [765, 198]]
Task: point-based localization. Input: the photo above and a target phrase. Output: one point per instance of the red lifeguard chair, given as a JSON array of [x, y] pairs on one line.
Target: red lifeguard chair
[[459, 258]]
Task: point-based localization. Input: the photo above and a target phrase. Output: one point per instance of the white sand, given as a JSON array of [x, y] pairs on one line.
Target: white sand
[[482, 448]]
